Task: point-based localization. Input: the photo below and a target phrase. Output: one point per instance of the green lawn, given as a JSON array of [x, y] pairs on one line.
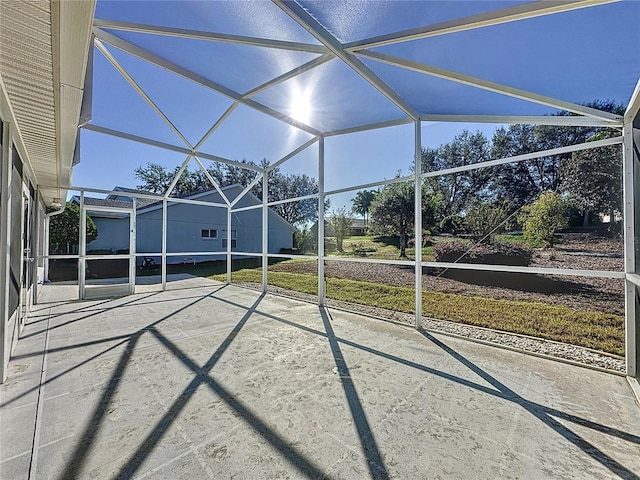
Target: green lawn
[[378, 247], [511, 238], [589, 329], [374, 246]]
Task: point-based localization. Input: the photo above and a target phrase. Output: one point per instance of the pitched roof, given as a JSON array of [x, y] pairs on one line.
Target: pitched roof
[[103, 202], [148, 204], [140, 202], [355, 222]]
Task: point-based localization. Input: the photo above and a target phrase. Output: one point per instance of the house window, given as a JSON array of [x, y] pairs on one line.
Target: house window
[[234, 239], [209, 234]]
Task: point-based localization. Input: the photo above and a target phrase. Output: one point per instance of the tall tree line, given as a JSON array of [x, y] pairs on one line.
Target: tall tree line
[[157, 179], [591, 179]]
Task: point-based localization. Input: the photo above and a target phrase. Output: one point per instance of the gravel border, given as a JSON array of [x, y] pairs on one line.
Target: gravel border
[[544, 348]]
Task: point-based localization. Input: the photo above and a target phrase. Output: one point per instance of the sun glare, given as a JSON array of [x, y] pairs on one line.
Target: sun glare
[[300, 106]]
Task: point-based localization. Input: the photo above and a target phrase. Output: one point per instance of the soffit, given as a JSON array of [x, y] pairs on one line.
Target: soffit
[[43, 51]]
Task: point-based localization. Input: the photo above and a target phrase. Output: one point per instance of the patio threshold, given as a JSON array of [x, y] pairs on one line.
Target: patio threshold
[[212, 381]]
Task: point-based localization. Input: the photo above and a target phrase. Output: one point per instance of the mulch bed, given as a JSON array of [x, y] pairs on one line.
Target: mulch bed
[[574, 251]]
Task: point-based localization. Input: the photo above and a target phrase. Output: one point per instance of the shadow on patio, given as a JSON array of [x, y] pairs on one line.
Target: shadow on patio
[[216, 381]]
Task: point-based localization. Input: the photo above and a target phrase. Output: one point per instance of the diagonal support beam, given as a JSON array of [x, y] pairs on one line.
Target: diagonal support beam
[[246, 190], [177, 176], [490, 86], [302, 17], [208, 36], [496, 17], [139, 89], [525, 156], [370, 126], [292, 154], [634, 105], [199, 79], [167, 146], [215, 126], [213, 182], [316, 62]]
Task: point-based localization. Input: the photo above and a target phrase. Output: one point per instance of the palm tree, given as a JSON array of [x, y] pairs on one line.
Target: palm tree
[[362, 204]]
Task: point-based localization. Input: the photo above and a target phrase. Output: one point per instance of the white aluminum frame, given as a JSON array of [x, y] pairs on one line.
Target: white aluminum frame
[[349, 53], [6, 171], [24, 301], [322, 284], [209, 36], [488, 85], [630, 164], [417, 235], [496, 17], [303, 18], [83, 258]]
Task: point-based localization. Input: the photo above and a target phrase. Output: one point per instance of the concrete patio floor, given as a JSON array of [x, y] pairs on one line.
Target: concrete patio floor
[[216, 381]]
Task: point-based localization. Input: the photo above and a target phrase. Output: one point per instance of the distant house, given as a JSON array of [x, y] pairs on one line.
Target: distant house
[[190, 228], [355, 228], [358, 227]]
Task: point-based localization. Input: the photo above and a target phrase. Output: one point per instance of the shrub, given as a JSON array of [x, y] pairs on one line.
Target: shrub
[[487, 220], [541, 219], [304, 240], [453, 224], [493, 254], [426, 240]]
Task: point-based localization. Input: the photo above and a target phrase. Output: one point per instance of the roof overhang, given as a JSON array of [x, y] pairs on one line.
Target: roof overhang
[[44, 48]]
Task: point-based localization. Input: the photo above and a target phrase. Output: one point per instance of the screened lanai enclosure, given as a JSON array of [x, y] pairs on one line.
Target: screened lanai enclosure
[[444, 165], [180, 103], [432, 97]]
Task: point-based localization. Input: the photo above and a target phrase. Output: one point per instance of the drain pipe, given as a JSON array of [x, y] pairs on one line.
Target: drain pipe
[[47, 220]]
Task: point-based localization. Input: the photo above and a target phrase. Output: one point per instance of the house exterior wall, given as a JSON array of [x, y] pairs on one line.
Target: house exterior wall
[[185, 223], [21, 217]]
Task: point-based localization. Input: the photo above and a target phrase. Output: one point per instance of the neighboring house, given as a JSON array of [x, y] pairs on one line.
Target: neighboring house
[[356, 228], [190, 228]]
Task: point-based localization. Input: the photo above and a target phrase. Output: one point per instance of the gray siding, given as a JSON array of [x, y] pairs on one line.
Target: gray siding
[[184, 229]]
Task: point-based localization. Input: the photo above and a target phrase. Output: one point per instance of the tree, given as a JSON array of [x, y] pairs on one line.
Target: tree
[[226, 174], [340, 225], [541, 219], [282, 187], [392, 211], [485, 220], [455, 192], [362, 204], [304, 240], [522, 182], [157, 179], [64, 229], [593, 178]]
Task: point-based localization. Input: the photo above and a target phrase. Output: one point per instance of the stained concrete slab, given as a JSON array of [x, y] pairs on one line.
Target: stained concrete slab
[[213, 381]]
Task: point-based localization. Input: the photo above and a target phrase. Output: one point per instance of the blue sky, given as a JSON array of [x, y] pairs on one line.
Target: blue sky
[[573, 56]]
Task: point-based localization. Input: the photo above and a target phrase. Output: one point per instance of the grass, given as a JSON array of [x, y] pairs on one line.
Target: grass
[[511, 238], [378, 247], [595, 330]]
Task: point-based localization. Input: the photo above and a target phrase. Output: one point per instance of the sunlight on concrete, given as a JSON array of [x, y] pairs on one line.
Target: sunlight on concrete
[[214, 381]]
